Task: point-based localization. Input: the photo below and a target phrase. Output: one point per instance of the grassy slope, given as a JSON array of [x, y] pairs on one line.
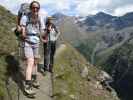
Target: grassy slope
[[68, 83], [70, 31], [105, 54], [7, 44]]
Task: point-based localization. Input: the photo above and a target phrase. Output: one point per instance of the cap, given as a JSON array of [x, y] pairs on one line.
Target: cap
[[51, 18]]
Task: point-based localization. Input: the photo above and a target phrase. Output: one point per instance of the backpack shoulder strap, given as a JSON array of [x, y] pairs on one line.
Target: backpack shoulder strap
[[28, 19], [39, 22]]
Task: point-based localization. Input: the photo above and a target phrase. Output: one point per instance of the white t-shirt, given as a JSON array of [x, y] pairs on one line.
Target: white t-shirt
[[54, 35], [33, 29]]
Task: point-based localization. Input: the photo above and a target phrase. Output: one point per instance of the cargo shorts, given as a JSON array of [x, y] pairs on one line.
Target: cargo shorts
[[31, 50]]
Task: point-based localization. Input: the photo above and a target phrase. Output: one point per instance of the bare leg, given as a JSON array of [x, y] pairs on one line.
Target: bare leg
[[35, 69], [35, 74], [28, 83], [30, 63]]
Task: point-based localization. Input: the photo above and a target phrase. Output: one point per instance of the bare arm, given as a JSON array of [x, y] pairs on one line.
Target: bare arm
[[23, 22], [57, 31], [44, 37], [23, 28]]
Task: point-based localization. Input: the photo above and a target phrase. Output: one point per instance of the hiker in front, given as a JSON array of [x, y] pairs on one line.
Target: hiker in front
[[49, 39], [32, 25]]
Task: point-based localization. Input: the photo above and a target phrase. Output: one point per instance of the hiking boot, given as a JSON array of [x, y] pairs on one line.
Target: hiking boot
[[28, 90], [45, 68], [51, 68], [43, 72], [35, 84]]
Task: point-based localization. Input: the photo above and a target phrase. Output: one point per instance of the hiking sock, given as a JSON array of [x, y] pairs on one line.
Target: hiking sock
[[28, 82], [45, 68], [28, 85], [34, 77], [35, 82], [51, 68]]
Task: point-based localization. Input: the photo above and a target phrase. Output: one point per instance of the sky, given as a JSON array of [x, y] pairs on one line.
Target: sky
[[76, 7]]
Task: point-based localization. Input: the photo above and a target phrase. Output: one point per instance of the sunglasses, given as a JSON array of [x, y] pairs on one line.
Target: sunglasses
[[35, 8]]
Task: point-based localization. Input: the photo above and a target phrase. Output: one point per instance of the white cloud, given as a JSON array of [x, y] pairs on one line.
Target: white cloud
[[116, 7], [56, 5], [122, 10], [78, 7], [62, 4], [91, 6]]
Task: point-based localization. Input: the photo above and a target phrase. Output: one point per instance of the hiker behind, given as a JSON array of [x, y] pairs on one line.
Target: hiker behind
[[49, 43], [31, 26]]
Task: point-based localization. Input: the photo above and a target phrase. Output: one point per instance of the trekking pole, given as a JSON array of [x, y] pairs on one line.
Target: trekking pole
[[48, 51], [49, 62]]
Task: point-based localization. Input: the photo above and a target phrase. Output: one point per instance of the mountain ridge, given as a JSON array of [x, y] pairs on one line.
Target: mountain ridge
[[70, 65], [116, 22]]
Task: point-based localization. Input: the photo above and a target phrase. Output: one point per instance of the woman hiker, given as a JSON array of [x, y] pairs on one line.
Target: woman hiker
[[49, 43], [32, 25]]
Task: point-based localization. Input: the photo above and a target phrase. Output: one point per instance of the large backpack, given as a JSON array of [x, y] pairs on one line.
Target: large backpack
[[23, 10]]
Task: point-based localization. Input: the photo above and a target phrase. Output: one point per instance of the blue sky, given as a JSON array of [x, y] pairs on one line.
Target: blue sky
[[75, 7]]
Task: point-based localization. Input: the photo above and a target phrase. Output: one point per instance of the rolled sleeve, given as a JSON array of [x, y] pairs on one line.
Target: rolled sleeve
[[23, 21]]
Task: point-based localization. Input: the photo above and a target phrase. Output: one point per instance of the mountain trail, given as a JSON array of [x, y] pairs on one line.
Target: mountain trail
[[45, 90]]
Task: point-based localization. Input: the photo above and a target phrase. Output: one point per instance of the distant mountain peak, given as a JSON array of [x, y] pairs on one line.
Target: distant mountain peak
[[58, 15], [102, 14], [128, 15]]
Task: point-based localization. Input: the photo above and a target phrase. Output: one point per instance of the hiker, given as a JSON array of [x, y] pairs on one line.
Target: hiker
[[49, 43], [32, 25]]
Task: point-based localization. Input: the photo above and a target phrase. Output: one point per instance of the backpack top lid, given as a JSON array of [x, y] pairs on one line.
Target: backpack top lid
[[24, 9]]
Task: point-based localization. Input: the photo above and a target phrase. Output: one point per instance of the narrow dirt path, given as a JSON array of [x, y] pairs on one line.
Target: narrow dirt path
[[45, 91]]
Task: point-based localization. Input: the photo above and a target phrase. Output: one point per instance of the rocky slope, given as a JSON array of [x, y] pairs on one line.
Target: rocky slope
[[103, 20], [76, 79], [8, 45], [104, 36]]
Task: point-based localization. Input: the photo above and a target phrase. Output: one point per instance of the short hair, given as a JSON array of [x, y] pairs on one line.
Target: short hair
[[34, 2]]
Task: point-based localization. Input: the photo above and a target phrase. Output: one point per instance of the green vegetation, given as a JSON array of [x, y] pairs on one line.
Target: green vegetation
[[68, 83], [86, 48], [119, 65], [120, 59], [2, 75], [7, 45], [67, 76]]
